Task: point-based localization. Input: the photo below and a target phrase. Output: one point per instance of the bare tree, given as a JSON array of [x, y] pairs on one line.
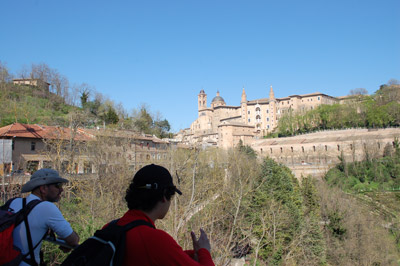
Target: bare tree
[[358, 91], [5, 75]]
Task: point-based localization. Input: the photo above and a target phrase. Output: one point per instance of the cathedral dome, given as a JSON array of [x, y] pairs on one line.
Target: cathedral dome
[[217, 99]]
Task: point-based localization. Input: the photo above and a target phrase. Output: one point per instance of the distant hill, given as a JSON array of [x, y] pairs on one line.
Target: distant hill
[[30, 104]]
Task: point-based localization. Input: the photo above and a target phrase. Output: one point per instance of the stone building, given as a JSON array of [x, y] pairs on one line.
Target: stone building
[[224, 126], [33, 147], [30, 145], [33, 82]]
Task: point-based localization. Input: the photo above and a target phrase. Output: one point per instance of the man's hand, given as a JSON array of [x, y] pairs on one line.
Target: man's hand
[[202, 242]]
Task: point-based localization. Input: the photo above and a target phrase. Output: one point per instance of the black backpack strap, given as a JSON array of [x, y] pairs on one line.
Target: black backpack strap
[[113, 227], [6, 206], [136, 223], [31, 260], [26, 209]]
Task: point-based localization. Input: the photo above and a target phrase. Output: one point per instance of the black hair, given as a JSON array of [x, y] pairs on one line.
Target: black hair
[[146, 199]]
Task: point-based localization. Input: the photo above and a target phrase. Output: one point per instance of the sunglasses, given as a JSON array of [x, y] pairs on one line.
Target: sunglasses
[[57, 185]]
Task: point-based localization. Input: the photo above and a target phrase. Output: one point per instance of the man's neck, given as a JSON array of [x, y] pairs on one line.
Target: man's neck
[[152, 215]]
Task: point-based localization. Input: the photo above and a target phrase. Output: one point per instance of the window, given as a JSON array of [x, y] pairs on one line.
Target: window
[[33, 146], [267, 111], [270, 149], [87, 167], [291, 148], [338, 147], [281, 150], [249, 119], [248, 112], [314, 148], [326, 147], [12, 144], [302, 148], [319, 98], [351, 146], [267, 118]]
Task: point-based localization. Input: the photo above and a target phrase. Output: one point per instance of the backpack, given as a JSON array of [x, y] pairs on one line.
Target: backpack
[[106, 247], [10, 254]]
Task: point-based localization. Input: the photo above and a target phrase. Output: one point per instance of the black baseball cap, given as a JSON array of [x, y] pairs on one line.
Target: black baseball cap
[[154, 176]]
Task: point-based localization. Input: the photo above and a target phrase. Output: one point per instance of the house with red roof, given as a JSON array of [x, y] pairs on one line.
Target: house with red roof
[[31, 144], [35, 146]]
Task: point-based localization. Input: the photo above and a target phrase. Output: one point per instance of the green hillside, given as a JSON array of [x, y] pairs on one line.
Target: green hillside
[[29, 104]]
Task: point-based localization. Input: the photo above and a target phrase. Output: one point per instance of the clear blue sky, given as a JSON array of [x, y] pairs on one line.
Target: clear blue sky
[[163, 52]]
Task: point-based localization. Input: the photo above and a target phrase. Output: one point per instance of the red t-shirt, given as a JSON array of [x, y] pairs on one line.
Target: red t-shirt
[[149, 246]]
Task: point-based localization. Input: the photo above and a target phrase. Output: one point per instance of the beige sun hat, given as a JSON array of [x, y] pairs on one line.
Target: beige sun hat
[[41, 177]]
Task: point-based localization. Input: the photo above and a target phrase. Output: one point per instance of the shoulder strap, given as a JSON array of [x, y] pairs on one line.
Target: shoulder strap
[[113, 227], [26, 209], [136, 223], [6, 206]]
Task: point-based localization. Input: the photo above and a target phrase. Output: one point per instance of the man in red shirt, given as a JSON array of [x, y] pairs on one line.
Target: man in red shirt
[[149, 198]]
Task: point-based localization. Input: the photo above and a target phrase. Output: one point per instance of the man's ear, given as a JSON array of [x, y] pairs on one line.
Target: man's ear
[[43, 189]]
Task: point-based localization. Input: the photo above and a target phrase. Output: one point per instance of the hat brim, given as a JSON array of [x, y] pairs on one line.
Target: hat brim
[[32, 184]]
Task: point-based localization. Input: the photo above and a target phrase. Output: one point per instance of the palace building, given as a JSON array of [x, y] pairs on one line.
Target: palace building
[[224, 125]]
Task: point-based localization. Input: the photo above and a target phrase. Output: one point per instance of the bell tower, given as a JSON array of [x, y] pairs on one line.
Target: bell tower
[[272, 108], [202, 100], [243, 105]]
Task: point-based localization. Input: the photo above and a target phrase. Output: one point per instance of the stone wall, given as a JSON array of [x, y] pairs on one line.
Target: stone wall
[[315, 153]]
